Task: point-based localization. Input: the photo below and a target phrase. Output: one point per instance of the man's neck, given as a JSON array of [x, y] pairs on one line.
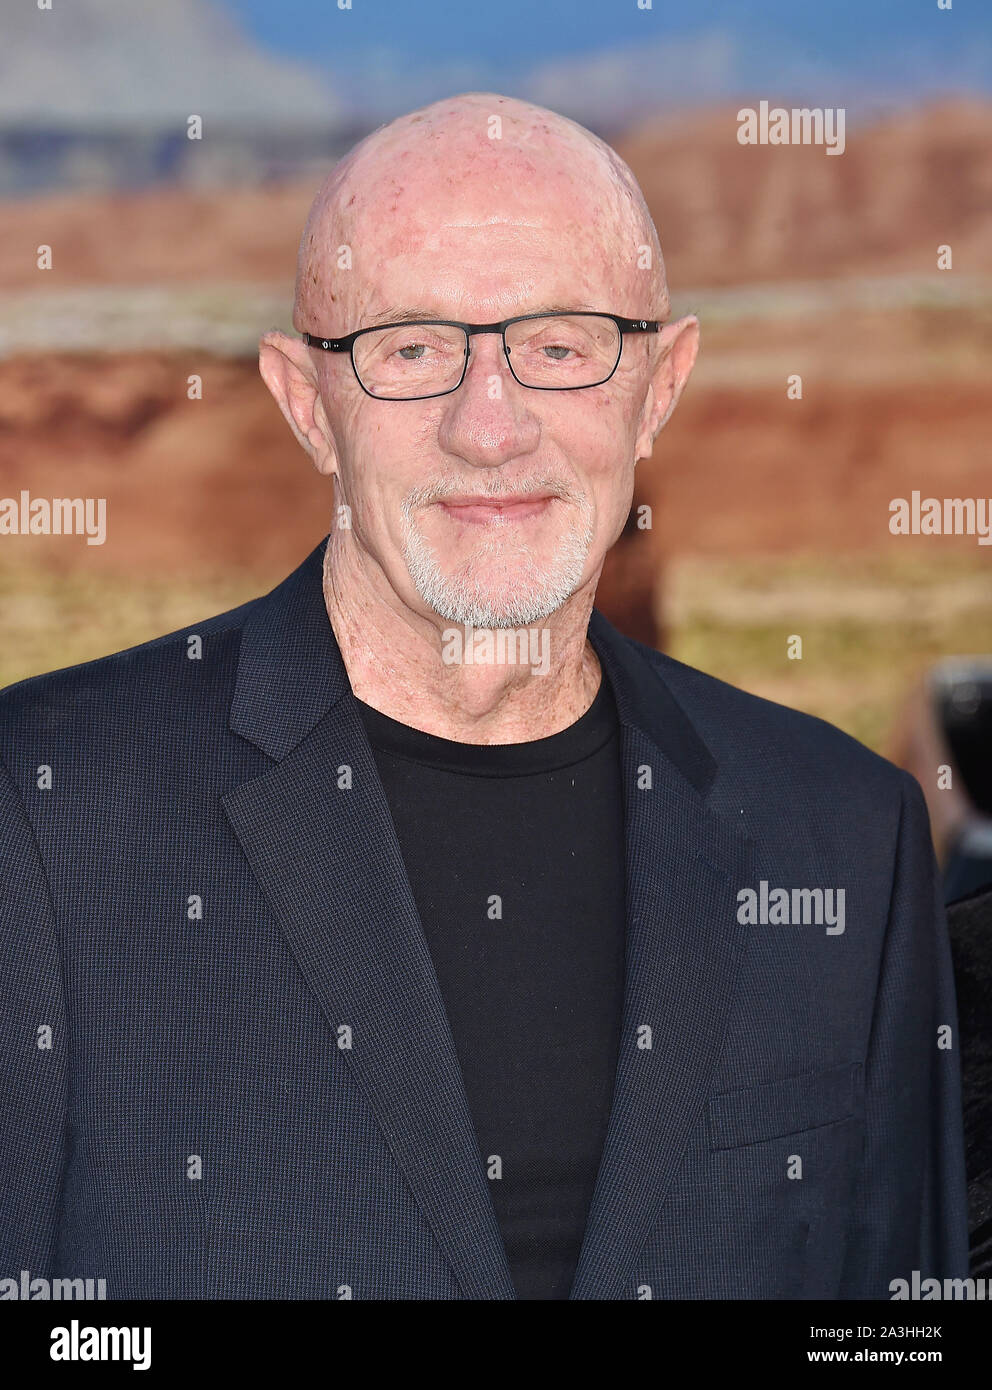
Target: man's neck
[[470, 685]]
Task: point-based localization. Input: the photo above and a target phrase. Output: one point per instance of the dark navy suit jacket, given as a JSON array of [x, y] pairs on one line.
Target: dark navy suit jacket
[[251, 1088]]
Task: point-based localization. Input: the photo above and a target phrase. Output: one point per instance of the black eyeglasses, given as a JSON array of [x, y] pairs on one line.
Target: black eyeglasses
[[394, 363]]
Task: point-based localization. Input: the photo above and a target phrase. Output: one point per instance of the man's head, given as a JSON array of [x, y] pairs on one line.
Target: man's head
[[476, 209]]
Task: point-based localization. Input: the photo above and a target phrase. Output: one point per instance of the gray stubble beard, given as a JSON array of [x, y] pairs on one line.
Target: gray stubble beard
[[458, 598]]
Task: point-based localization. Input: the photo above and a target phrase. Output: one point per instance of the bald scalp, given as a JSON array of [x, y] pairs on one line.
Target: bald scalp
[[447, 143]]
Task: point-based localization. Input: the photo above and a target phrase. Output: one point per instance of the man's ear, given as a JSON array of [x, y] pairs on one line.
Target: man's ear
[[288, 372], [678, 348]]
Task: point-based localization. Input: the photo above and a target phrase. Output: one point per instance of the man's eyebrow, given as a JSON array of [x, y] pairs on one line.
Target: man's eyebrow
[[387, 316], [399, 316]]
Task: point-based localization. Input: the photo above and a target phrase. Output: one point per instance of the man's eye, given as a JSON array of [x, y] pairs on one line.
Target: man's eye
[[557, 348], [413, 348], [416, 350]]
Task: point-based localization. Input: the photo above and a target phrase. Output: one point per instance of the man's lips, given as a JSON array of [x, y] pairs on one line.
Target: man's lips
[[483, 509]]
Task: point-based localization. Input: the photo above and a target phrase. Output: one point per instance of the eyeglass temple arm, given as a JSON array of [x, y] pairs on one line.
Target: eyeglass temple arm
[[330, 344]]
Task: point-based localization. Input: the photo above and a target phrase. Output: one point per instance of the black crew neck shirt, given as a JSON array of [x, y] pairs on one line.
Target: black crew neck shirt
[[515, 855]]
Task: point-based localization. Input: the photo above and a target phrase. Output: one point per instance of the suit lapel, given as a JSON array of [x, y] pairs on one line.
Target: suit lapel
[[685, 864], [330, 866]]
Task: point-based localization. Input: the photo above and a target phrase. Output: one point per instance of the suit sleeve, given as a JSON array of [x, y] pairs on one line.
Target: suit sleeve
[[911, 1205], [33, 1041]]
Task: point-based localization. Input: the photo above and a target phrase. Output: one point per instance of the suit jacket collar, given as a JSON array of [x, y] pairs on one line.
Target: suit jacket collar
[[330, 865], [291, 673]]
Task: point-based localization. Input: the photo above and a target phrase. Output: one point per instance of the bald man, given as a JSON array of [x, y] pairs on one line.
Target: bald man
[[409, 933]]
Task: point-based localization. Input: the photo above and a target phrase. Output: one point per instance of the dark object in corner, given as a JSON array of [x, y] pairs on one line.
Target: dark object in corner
[[970, 923]]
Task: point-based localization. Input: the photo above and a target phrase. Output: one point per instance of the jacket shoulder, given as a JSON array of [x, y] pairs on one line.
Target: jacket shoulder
[[132, 677], [743, 729]]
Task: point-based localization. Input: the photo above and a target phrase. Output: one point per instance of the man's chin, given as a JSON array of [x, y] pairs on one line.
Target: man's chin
[[502, 605], [495, 614], [515, 588]]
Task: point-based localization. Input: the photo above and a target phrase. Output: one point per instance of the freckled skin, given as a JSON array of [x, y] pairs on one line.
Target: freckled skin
[[437, 214]]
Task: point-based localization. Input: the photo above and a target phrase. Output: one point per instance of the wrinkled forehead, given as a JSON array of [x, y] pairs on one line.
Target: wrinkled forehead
[[458, 216]]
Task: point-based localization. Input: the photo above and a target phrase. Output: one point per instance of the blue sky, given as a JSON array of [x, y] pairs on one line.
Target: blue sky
[[603, 62], [397, 53], [520, 30]]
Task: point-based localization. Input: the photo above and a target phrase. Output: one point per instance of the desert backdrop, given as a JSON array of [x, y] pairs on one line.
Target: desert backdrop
[[769, 515]]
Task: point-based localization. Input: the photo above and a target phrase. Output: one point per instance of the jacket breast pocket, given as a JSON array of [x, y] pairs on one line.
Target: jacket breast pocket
[[785, 1156], [787, 1105]]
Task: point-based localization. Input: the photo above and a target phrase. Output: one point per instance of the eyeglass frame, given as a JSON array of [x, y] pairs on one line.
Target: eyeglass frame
[[347, 344]]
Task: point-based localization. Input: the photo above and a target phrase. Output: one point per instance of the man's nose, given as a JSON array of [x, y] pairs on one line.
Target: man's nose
[[488, 420]]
